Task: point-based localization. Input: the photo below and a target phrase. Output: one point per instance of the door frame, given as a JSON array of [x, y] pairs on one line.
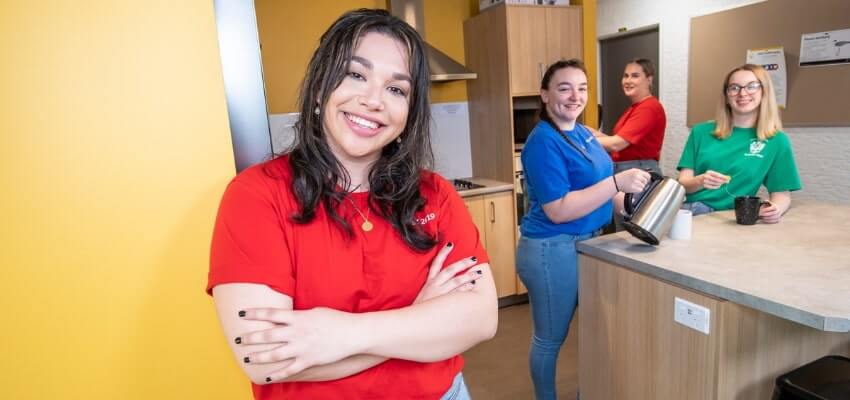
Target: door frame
[[619, 35]]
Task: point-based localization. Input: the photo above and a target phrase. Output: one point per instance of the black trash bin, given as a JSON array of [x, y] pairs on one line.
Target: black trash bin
[[827, 378]]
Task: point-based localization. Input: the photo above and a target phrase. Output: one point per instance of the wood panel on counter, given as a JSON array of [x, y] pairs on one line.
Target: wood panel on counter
[[631, 348]]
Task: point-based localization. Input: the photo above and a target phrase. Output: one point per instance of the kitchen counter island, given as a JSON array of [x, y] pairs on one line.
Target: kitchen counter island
[[778, 296]]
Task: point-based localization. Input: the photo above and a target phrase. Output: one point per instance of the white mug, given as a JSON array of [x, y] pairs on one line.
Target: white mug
[[681, 229]]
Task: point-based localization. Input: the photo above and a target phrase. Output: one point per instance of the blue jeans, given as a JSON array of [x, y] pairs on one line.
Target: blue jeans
[[697, 208], [458, 390], [549, 269]]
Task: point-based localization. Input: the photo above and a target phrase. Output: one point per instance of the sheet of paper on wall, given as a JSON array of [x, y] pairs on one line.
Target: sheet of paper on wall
[[825, 48], [772, 59]]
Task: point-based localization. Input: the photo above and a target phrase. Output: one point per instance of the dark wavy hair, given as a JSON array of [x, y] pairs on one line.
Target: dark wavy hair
[[394, 180], [547, 78]]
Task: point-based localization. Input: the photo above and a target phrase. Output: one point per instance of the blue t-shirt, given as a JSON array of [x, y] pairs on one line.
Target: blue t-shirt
[[553, 168]]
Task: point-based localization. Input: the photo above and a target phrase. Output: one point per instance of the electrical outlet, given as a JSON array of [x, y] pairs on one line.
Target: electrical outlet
[[692, 315]]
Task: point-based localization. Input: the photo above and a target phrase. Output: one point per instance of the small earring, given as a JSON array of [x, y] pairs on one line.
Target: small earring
[[398, 140], [316, 110]]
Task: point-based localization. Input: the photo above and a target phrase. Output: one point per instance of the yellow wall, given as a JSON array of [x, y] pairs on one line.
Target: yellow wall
[[444, 30], [290, 31], [114, 151], [591, 114]]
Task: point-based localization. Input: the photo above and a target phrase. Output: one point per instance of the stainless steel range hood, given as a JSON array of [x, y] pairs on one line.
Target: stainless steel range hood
[[443, 67]]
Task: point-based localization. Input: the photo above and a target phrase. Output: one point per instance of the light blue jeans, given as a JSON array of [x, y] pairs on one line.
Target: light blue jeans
[[458, 390], [697, 208], [549, 269]]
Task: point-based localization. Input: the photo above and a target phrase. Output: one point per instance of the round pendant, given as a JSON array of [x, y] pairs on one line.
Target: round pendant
[[366, 226]]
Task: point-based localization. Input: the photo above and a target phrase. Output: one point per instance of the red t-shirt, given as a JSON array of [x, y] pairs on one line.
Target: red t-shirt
[[642, 125], [319, 266]]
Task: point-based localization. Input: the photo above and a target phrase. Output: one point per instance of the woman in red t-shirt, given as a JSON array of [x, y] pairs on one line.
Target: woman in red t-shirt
[[639, 133], [344, 269]]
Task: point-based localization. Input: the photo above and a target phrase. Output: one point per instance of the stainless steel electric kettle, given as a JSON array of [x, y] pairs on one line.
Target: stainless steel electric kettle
[[650, 214]]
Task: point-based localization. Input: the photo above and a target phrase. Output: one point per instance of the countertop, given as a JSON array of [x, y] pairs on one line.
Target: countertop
[[490, 186], [798, 269]]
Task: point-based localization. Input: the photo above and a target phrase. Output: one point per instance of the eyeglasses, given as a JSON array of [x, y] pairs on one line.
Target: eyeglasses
[[751, 88]]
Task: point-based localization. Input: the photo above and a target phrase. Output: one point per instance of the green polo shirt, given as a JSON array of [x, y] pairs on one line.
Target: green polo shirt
[[749, 161]]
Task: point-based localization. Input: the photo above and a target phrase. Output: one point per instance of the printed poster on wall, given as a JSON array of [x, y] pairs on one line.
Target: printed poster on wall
[[772, 59], [825, 48]]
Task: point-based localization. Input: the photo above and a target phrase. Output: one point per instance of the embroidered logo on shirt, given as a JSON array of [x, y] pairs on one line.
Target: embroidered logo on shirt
[[756, 146]]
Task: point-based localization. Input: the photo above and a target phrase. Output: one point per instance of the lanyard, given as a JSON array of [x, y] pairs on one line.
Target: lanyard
[[578, 148]]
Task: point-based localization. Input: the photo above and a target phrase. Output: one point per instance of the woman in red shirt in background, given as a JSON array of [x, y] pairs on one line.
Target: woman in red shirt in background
[[344, 269], [639, 133]]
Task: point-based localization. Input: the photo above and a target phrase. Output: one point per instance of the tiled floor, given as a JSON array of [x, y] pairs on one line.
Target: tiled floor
[[498, 369]]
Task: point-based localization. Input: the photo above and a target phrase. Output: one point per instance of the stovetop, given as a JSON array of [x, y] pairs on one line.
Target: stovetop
[[461, 184]]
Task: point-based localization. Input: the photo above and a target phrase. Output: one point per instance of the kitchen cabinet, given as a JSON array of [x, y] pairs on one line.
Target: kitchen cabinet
[[537, 37], [509, 47], [527, 48], [493, 215]]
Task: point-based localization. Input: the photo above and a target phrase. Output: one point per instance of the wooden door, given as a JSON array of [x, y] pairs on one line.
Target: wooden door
[[526, 48], [563, 34], [500, 228]]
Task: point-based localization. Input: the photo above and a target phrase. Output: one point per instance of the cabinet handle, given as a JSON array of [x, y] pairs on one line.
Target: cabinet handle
[[492, 212], [541, 69]]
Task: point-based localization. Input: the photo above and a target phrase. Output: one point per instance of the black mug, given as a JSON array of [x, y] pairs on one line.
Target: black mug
[[747, 209]]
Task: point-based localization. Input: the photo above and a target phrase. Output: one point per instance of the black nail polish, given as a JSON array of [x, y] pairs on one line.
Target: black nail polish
[[473, 282], [449, 244], [247, 360], [238, 340], [242, 313], [268, 379], [479, 272], [473, 259]]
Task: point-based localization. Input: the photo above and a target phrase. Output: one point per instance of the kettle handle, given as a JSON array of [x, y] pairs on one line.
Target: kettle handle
[[629, 200], [629, 205]]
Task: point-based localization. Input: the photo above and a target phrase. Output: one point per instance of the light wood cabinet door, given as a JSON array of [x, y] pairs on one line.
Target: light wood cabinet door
[[475, 206], [563, 34], [493, 216], [527, 52], [500, 229]]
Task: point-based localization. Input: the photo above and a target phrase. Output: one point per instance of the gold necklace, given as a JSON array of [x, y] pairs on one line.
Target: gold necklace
[[366, 226]]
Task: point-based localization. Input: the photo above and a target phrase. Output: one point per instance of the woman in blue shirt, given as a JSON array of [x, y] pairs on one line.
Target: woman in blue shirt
[[571, 192]]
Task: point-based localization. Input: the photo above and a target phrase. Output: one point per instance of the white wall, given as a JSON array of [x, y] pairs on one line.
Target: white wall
[[820, 152]]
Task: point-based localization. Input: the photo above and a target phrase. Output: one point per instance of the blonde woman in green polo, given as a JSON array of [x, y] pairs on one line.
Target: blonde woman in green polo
[[743, 149]]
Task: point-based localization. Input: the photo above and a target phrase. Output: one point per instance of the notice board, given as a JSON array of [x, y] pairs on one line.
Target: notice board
[[817, 96]]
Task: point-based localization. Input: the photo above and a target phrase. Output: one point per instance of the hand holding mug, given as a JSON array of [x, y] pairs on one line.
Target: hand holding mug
[[713, 179], [770, 213], [632, 180]]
